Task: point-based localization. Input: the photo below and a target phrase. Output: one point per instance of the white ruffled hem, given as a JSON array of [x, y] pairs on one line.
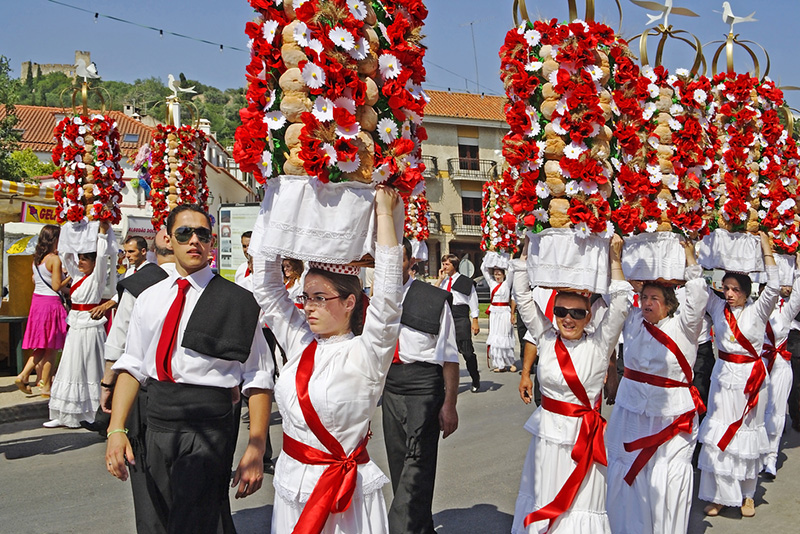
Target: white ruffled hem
[[570, 522], [298, 499], [749, 443]]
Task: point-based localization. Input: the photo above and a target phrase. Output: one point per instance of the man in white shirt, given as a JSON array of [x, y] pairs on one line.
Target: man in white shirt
[[465, 313], [135, 248], [419, 400], [194, 337], [244, 270]]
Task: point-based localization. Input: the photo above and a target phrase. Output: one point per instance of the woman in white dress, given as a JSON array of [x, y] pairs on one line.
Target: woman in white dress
[[563, 486], [777, 358], [733, 434], [500, 341], [75, 394], [329, 388], [652, 432]]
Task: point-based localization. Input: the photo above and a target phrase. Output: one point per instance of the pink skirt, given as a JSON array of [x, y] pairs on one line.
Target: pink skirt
[[47, 323]]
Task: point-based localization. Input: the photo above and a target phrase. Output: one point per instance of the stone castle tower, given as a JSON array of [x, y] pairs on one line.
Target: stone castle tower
[[47, 68]]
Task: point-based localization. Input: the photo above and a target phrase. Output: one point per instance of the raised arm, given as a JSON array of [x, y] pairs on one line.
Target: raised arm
[[535, 321], [610, 327], [769, 297], [693, 309]]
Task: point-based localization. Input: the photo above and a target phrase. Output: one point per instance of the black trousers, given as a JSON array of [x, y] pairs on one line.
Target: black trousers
[[703, 367], [189, 446], [411, 435], [463, 328], [794, 395]]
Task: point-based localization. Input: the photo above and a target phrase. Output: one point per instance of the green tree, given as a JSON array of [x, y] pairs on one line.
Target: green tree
[[8, 136], [25, 165]]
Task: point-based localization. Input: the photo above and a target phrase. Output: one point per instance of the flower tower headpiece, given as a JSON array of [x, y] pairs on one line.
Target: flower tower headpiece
[[178, 163], [498, 222], [558, 82], [89, 176], [334, 91]]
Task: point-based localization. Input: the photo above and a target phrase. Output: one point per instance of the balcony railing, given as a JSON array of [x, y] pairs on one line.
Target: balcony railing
[[472, 169], [431, 166], [466, 223], [434, 222]]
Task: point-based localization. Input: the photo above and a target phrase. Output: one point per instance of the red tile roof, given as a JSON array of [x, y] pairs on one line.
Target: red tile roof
[[465, 105], [37, 123]]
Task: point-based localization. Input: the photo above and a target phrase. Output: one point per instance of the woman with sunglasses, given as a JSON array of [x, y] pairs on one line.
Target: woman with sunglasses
[[653, 429], [734, 438], [500, 342], [329, 388], [563, 486], [75, 395]]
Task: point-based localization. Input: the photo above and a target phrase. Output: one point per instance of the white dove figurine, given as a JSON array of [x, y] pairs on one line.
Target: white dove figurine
[[665, 10], [729, 18], [86, 71], [175, 87]]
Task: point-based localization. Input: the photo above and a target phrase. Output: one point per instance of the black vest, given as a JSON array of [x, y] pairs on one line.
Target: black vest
[[463, 285], [148, 275], [422, 307], [223, 322]]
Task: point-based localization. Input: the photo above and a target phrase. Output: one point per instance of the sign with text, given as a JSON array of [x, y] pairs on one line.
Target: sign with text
[[39, 213], [234, 220]]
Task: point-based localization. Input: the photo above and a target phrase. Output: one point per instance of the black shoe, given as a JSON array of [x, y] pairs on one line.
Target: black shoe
[[269, 469], [766, 475], [93, 427], [475, 387]]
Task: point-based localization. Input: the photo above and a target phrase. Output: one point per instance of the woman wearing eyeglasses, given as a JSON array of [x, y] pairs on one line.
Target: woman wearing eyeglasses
[[734, 438], [653, 429], [329, 388], [563, 486]]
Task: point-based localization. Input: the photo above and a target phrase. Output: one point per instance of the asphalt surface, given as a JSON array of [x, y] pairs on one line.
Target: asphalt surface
[[54, 481]]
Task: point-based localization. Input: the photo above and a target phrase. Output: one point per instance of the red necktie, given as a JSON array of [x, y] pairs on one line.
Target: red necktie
[[396, 357], [166, 343], [449, 283]]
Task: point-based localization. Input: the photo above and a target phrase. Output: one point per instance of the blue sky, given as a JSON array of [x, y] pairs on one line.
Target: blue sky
[[44, 32]]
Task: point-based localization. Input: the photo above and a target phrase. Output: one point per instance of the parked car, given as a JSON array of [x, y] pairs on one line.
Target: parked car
[[482, 288]]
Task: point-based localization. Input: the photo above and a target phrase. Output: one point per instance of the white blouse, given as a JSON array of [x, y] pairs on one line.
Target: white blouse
[[504, 293], [646, 354], [590, 356], [349, 371], [91, 289], [784, 313]]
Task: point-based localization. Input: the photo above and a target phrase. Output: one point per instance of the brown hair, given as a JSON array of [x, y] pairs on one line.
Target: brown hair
[[48, 242], [744, 281], [296, 265], [452, 258], [345, 286], [668, 292], [576, 295]]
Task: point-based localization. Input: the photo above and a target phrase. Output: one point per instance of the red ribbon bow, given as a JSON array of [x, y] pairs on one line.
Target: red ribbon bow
[[334, 490], [771, 351], [589, 447]]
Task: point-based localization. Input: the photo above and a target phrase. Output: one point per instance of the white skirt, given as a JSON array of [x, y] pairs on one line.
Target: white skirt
[[660, 498], [367, 514], [75, 395], [780, 383], [547, 466], [501, 337]]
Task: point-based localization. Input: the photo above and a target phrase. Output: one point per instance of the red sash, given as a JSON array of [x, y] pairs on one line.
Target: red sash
[[333, 493], [589, 447], [649, 444], [491, 298], [83, 307], [548, 311], [754, 381], [771, 351], [77, 284]]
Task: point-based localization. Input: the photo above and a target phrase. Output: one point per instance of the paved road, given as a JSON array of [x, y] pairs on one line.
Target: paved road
[[54, 481]]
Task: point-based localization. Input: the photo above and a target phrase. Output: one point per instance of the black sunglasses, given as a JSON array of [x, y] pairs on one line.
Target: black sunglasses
[[575, 313], [184, 233]]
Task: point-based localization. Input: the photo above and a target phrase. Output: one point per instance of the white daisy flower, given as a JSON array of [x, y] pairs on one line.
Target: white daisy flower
[[616, 163], [269, 30], [700, 96], [553, 78], [533, 66], [649, 73], [316, 45], [79, 141], [298, 3], [649, 109], [786, 205], [82, 130], [582, 229], [588, 188], [331, 152], [341, 38], [405, 130], [278, 2], [323, 109], [615, 108], [387, 130], [349, 165], [662, 204], [302, 34], [357, 9], [77, 120], [389, 66], [534, 130], [675, 125], [360, 49], [672, 80], [348, 132], [275, 120], [573, 151], [595, 72], [412, 116], [415, 90], [266, 163], [653, 90], [572, 188], [542, 190], [609, 230], [380, 174], [673, 182], [682, 72], [532, 37], [541, 215], [650, 226], [313, 75], [762, 214], [675, 109], [270, 100]]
